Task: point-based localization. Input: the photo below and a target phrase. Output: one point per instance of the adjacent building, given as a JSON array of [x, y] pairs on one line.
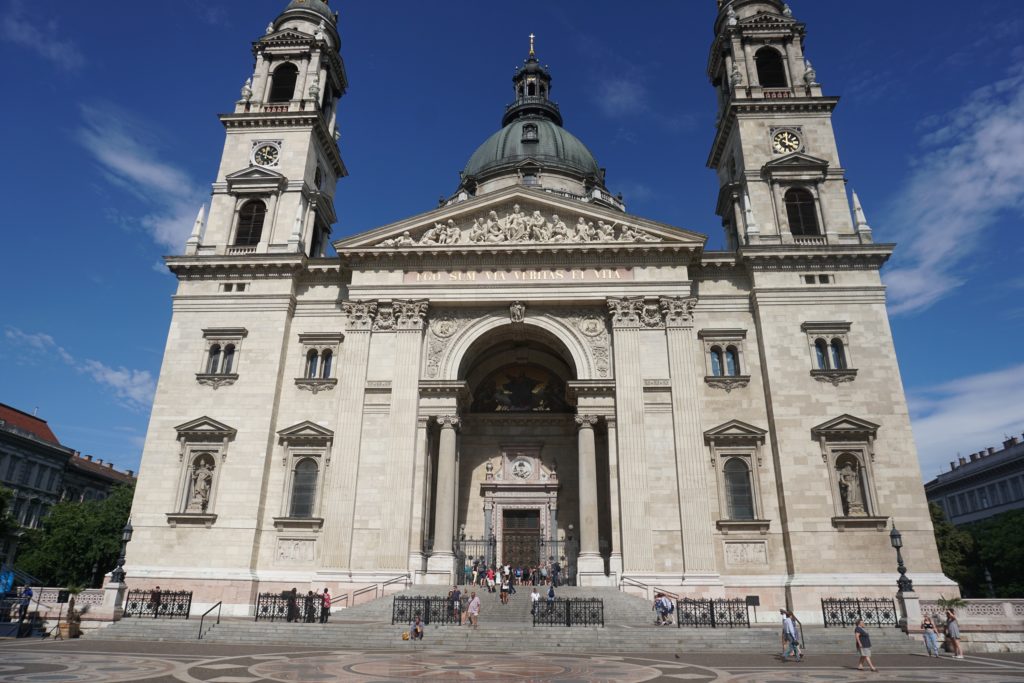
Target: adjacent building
[[528, 370], [982, 484], [41, 472]]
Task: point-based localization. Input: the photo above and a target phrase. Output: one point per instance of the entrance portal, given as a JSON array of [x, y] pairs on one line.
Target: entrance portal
[[520, 539]]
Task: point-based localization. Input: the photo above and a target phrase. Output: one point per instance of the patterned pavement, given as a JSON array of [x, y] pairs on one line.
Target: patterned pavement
[[113, 662]]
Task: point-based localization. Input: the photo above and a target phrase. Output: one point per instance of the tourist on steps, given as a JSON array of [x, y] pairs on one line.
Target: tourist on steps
[[473, 609], [325, 606], [953, 634], [416, 628]]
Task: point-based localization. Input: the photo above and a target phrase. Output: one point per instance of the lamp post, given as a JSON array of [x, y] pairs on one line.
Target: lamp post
[[117, 576], [904, 584]]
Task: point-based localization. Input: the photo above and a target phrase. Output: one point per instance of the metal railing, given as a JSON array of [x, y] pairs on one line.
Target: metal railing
[[291, 606], [158, 605], [432, 609], [649, 590], [879, 612], [712, 613], [203, 617], [570, 612]]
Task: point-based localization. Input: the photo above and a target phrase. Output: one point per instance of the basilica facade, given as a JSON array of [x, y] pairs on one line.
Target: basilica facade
[[529, 372]]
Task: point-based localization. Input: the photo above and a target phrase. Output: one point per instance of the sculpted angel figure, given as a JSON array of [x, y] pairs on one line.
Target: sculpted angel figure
[[628, 234], [559, 230]]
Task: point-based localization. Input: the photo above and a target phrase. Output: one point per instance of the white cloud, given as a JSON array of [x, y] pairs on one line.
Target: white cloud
[[126, 152], [619, 97], [966, 415], [971, 173], [44, 38], [134, 388]]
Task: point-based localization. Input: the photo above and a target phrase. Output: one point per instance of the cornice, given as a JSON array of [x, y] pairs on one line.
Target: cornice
[[790, 256], [292, 119]]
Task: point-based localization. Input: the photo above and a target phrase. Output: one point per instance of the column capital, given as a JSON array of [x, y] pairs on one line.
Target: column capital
[[586, 421], [448, 421], [678, 311], [360, 314], [410, 314], [634, 312]]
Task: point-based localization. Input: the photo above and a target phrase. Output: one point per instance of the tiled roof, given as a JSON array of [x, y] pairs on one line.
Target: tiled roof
[[26, 423], [105, 470]]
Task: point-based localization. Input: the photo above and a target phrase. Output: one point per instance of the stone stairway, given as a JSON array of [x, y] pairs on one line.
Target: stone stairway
[[629, 628]]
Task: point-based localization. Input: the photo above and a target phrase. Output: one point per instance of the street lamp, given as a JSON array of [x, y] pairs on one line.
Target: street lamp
[[117, 576], [904, 584]]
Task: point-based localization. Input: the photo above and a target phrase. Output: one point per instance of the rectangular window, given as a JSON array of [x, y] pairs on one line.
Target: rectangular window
[[1015, 488], [824, 279], [51, 485], [12, 467], [808, 279], [1004, 492], [954, 506], [983, 501], [40, 475]]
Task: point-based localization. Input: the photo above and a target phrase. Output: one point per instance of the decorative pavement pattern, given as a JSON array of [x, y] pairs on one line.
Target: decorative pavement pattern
[[107, 662]]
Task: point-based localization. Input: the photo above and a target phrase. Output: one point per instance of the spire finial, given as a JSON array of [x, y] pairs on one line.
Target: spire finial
[[531, 44]]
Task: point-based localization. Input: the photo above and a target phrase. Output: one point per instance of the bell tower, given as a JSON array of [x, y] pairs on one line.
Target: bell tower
[[775, 150], [274, 191]]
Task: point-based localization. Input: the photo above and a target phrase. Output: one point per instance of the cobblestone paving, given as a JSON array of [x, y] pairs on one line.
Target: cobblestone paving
[[113, 662]]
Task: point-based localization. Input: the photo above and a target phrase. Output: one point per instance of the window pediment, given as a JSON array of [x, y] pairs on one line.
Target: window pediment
[[205, 428], [845, 428], [735, 432], [307, 433], [797, 162], [256, 179]]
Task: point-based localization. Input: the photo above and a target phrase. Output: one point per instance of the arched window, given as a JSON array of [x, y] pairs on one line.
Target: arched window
[[717, 365], [739, 495], [229, 360], [531, 89], [282, 88], [821, 354], [213, 362], [325, 364], [250, 223], [838, 355], [304, 488], [311, 364], [802, 213], [771, 72], [732, 362]]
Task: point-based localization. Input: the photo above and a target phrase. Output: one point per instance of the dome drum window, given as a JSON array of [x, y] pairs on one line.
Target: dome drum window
[[829, 345], [725, 362], [220, 356], [319, 361]]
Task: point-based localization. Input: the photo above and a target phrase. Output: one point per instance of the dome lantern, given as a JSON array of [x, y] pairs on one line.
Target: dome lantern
[[532, 86]]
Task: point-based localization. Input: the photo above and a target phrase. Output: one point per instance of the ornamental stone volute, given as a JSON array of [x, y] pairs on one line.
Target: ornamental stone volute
[[678, 311], [634, 311], [410, 315], [448, 421], [360, 314], [586, 421]]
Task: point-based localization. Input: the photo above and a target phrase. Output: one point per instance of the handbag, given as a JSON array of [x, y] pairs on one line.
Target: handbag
[[405, 635]]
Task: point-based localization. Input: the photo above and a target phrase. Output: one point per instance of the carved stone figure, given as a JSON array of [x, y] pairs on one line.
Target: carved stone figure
[[810, 75], [477, 233], [584, 230], [733, 19], [247, 90], [494, 230], [849, 489], [540, 231], [319, 35], [736, 76], [405, 240], [559, 231], [451, 234], [202, 483], [517, 311], [270, 28], [433, 235], [605, 232], [518, 230]]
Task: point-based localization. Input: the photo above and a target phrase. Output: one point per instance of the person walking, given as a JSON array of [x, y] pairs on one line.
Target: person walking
[[154, 599], [504, 588], [325, 606], [863, 640], [931, 636], [953, 633], [473, 609], [455, 600], [292, 605], [790, 638], [798, 631], [551, 596]]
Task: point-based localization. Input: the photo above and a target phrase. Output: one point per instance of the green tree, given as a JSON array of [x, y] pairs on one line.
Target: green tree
[[74, 537], [956, 548], [999, 543]]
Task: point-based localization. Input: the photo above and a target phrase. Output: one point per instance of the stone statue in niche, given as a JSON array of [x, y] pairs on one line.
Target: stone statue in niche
[[850, 491], [517, 311], [202, 484]]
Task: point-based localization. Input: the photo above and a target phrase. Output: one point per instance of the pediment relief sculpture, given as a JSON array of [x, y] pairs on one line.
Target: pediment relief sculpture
[[519, 227]]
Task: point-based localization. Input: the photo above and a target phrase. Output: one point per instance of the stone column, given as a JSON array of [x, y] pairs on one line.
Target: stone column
[[691, 463], [615, 561], [589, 561], [420, 495], [441, 560], [339, 503], [629, 316]]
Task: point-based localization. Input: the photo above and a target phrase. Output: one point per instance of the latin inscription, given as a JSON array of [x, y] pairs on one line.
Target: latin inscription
[[526, 275]]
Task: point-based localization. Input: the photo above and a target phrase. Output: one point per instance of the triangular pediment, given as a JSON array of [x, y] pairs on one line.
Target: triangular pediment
[[543, 220], [844, 427], [287, 35], [205, 427], [797, 160], [255, 178], [306, 430], [766, 19], [735, 431], [254, 173]]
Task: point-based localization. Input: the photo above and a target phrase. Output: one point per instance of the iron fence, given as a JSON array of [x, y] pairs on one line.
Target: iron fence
[[433, 609], [158, 604], [570, 612], [527, 551], [290, 606], [879, 612], [712, 613], [470, 552]]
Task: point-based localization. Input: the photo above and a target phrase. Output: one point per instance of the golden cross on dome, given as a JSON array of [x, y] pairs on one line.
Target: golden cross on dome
[[531, 44]]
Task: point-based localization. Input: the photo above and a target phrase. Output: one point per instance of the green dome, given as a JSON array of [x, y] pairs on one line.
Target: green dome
[[554, 148], [317, 6]]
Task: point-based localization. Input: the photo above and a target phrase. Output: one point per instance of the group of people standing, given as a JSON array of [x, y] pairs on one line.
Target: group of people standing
[[307, 612], [505, 577]]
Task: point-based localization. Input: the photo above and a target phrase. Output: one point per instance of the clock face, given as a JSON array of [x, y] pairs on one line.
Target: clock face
[[785, 141], [266, 155]]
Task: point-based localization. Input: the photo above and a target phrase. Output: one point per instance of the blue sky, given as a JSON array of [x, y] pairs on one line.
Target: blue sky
[[112, 141]]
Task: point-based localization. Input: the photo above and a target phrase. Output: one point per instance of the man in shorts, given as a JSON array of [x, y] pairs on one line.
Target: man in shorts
[[473, 609]]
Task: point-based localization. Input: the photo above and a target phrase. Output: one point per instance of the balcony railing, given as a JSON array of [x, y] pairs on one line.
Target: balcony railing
[[810, 241], [236, 251], [777, 93]]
